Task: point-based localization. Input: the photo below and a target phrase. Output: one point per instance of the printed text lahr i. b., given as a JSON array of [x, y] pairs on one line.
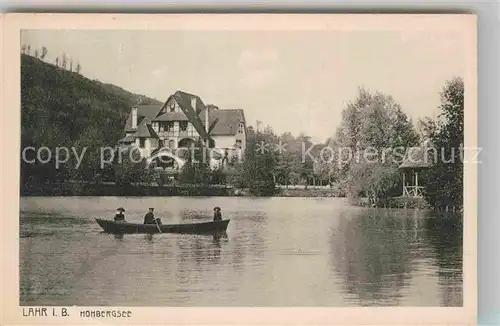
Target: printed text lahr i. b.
[[44, 312]]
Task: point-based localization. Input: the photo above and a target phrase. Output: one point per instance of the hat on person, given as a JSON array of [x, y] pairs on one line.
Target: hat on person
[[151, 208], [120, 209], [217, 208]]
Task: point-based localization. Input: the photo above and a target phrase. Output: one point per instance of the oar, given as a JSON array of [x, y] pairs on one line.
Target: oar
[[157, 225]]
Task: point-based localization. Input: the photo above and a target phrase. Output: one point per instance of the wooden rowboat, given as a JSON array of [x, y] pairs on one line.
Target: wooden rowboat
[[193, 228]]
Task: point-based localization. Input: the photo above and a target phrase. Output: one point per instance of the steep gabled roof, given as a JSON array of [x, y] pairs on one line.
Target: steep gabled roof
[[145, 130], [228, 121], [143, 111], [127, 139], [184, 100], [172, 116]]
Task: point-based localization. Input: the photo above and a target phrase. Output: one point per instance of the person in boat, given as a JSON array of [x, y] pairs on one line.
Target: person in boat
[[149, 218], [217, 214], [119, 216]]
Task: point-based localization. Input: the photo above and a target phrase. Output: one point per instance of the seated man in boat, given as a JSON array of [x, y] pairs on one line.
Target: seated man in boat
[[119, 216], [217, 214], [149, 218]]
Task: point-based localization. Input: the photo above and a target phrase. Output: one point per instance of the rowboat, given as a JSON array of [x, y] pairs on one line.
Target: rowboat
[[193, 228]]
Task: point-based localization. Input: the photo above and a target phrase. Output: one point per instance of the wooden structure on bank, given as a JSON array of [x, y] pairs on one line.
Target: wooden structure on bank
[[415, 161]]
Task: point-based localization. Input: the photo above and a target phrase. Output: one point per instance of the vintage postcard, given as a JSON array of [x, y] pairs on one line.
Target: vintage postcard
[[239, 169]]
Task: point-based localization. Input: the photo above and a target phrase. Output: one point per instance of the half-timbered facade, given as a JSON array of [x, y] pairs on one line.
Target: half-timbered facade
[[151, 128]]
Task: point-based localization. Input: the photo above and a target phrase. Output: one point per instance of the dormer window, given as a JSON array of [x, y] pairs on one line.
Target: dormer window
[[172, 106], [241, 128]]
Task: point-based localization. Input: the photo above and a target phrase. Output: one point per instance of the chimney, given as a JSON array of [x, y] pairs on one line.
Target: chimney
[[206, 119], [134, 118], [193, 103]]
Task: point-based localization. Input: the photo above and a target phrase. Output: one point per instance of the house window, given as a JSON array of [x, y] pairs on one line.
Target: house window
[[166, 125], [241, 128], [183, 125], [155, 126], [238, 143], [172, 106], [142, 142]]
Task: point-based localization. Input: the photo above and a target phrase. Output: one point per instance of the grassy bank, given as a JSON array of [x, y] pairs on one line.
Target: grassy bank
[[394, 202]]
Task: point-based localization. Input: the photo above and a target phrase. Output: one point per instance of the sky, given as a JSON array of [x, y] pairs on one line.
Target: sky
[[296, 81]]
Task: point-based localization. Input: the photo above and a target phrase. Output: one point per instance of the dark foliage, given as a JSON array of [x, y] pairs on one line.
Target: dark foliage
[[64, 109], [445, 179]]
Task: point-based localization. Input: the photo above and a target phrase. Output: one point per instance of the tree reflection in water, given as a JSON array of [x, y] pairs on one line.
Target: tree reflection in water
[[372, 250], [377, 252], [445, 234]]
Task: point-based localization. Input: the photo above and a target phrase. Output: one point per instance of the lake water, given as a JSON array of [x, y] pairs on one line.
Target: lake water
[[277, 252]]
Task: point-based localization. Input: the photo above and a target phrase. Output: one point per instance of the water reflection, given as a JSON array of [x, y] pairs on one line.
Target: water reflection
[[445, 235], [371, 252], [276, 252], [377, 253]]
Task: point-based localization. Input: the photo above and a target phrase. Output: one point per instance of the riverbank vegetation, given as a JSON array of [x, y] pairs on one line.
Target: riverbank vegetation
[[376, 123]]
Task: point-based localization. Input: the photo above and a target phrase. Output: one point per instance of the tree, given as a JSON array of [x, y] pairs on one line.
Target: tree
[[196, 170], [131, 169], [71, 65], [64, 61], [23, 49], [445, 179], [78, 68], [90, 142], [36, 53], [373, 123], [44, 52], [427, 128], [29, 49], [236, 175], [260, 163], [57, 61], [378, 181]]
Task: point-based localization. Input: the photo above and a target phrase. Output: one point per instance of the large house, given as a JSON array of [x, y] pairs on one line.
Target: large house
[[161, 129]]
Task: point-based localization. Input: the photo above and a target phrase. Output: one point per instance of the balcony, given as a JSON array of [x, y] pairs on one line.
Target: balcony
[[178, 133]]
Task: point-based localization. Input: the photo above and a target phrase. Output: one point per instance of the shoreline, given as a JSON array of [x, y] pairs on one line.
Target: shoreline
[[191, 190], [187, 190]]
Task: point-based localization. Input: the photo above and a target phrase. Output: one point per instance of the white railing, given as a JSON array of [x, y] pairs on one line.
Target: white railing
[[178, 133], [413, 191]]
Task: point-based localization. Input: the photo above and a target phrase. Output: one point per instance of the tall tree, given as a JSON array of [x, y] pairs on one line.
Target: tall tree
[[260, 163], [64, 60], [78, 68], [44, 52], [427, 128], [23, 49], [373, 123], [29, 49], [445, 179]]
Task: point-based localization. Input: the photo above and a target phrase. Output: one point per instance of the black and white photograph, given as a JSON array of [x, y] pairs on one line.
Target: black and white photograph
[[243, 168]]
